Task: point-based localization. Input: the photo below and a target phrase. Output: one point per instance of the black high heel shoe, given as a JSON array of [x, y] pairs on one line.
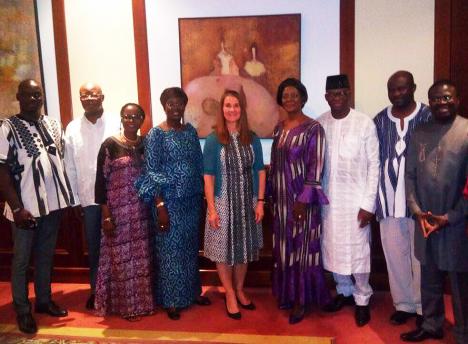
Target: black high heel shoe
[[296, 316], [250, 306], [202, 301], [235, 316]]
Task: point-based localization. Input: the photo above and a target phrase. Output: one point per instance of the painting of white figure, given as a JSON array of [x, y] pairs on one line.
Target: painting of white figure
[[251, 55]]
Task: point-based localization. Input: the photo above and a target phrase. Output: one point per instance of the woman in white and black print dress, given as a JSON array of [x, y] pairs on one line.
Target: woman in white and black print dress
[[234, 189]]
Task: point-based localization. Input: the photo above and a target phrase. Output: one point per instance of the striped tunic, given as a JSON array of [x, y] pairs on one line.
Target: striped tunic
[[33, 152], [296, 169], [394, 140]]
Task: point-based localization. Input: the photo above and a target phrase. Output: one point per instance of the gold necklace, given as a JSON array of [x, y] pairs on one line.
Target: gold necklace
[[130, 140]]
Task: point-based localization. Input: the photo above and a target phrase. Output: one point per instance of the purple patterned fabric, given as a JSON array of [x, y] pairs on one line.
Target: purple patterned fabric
[[295, 175], [124, 279]]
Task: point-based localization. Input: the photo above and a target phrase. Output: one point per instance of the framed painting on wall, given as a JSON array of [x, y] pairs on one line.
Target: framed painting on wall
[[19, 51], [250, 54]]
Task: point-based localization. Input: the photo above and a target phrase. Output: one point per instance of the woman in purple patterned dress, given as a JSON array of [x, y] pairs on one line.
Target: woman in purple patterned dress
[[124, 278], [294, 183]]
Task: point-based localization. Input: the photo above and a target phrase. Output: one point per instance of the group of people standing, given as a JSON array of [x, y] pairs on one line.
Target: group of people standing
[[141, 202]]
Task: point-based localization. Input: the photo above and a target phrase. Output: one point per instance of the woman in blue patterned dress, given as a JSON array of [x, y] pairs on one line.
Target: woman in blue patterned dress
[[172, 184], [234, 190]]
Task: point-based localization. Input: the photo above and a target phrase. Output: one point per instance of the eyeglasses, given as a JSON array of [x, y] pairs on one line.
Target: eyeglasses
[[336, 94], [440, 99], [90, 95], [133, 117], [175, 104]]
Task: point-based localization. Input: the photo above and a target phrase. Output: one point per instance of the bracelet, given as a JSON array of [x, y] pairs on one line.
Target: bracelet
[[107, 219], [16, 210], [160, 204]]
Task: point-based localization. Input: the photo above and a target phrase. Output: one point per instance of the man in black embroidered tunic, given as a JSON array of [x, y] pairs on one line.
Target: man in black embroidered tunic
[[35, 186], [436, 172]]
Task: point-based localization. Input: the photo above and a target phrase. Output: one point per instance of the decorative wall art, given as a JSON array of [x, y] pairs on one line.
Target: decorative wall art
[[19, 51], [251, 54]]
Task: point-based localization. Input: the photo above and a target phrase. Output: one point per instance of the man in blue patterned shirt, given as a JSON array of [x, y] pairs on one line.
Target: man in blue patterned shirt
[[395, 124]]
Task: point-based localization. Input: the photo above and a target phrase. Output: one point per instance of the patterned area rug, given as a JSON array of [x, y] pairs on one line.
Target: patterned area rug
[[22, 340], [12, 339], [9, 334]]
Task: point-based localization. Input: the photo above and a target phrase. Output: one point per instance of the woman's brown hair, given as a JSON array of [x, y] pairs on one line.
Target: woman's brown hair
[[221, 130]]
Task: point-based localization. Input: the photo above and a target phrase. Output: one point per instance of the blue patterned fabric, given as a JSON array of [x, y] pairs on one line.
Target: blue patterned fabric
[[173, 171], [387, 129]]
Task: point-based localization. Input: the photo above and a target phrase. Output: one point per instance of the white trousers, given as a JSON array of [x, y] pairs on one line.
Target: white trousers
[[360, 289], [404, 270]]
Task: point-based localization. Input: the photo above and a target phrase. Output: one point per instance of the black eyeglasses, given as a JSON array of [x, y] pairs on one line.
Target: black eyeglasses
[[440, 99], [133, 117], [90, 95], [175, 104]]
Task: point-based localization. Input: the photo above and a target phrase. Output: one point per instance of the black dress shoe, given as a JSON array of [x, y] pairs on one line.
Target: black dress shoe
[[52, 309], [339, 302], [420, 334], [361, 315], [419, 320], [296, 316], [26, 323], [235, 316], [90, 302], [173, 313], [202, 301], [250, 306], [400, 317]]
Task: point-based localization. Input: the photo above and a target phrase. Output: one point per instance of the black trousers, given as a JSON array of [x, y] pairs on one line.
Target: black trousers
[[432, 299]]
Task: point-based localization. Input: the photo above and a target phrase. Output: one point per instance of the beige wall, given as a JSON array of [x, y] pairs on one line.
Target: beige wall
[[392, 35], [320, 40], [101, 49]]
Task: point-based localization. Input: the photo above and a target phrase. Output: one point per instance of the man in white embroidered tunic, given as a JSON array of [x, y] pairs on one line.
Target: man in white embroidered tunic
[[83, 139], [35, 186], [395, 125], [350, 181]]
